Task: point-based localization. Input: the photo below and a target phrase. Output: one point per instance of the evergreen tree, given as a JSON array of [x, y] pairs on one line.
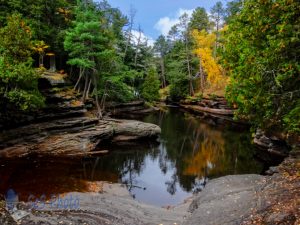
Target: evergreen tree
[[151, 86], [199, 20], [90, 47], [162, 47]]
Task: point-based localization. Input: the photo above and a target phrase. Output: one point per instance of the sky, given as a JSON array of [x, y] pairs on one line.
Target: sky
[[157, 16]]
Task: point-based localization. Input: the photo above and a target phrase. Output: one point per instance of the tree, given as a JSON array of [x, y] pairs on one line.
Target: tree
[[18, 80], [162, 47], [262, 57], [151, 86], [184, 25], [48, 20], [90, 46], [138, 43], [173, 33], [232, 8], [217, 14], [199, 20], [204, 50], [128, 33]]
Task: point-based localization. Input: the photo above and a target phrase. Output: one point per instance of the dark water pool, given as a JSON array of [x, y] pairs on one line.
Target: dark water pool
[[189, 152]]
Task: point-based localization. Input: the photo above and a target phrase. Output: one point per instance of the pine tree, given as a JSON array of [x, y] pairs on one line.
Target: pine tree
[[90, 47]]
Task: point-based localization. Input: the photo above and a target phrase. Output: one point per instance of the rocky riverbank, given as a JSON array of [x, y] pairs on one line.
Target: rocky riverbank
[[216, 109], [236, 199], [65, 127]]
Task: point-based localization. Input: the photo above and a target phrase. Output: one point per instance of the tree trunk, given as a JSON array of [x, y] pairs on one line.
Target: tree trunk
[[201, 76], [227, 112], [85, 88], [137, 47], [129, 31], [104, 98], [89, 88], [189, 67], [81, 72], [217, 39], [162, 64], [100, 116]]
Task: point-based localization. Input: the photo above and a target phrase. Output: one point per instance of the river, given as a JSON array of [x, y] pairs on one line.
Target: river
[[189, 152]]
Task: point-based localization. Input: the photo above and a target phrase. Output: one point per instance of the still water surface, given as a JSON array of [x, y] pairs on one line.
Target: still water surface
[[189, 152]]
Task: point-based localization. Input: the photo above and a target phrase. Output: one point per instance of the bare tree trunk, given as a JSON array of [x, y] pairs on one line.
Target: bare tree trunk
[[137, 46], [129, 31]]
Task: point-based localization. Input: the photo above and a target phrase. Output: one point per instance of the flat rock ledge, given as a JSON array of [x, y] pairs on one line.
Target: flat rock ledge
[[72, 137]]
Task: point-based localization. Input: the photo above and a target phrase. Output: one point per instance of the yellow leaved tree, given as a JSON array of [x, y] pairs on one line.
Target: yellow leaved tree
[[204, 45]]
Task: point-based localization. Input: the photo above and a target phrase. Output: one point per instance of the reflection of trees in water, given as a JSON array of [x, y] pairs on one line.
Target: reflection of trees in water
[[219, 152], [163, 159], [196, 150], [129, 162], [190, 150], [208, 148], [171, 185]]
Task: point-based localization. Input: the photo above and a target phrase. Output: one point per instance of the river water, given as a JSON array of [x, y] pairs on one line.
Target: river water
[[189, 152]]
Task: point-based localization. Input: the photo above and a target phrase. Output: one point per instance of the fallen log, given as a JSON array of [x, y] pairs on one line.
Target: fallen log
[[228, 112], [92, 153]]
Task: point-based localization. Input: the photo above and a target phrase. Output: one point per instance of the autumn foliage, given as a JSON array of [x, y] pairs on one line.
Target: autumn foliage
[[204, 47]]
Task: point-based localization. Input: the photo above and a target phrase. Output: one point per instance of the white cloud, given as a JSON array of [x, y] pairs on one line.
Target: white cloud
[[187, 11], [164, 24], [144, 38]]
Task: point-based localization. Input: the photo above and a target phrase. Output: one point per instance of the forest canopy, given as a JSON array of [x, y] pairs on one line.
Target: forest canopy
[[248, 48]]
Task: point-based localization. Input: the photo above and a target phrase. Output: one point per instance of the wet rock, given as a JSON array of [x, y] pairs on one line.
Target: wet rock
[[271, 146], [272, 170], [134, 129]]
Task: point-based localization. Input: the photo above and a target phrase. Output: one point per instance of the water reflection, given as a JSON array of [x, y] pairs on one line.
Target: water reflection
[[189, 152]]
